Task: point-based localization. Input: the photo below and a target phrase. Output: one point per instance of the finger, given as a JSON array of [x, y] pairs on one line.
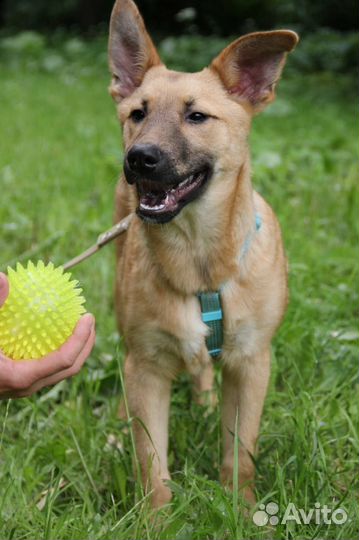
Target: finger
[[4, 288], [26, 373], [70, 350], [66, 373]]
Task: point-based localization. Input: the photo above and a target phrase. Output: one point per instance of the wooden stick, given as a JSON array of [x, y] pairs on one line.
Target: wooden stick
[[102, 240]]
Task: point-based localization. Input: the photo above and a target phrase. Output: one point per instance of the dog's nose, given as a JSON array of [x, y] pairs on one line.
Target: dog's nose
[[144, 158]]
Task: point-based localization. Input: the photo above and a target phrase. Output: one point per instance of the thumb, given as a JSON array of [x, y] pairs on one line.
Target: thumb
[[4, 288]]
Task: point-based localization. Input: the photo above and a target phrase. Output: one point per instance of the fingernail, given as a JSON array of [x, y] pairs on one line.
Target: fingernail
[[90, 317]]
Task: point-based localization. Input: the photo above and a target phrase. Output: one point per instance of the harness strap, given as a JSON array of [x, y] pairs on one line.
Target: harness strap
[[212, 315], [211, 304]]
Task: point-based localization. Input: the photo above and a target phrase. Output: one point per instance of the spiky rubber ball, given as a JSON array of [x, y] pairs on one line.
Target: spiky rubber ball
[[41, 311]]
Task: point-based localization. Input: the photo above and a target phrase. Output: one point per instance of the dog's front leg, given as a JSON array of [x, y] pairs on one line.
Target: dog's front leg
[[148, 396], [243, 391]]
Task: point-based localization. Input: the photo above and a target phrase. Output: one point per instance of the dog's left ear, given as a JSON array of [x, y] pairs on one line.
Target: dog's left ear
[[251, 66], [131, 51]]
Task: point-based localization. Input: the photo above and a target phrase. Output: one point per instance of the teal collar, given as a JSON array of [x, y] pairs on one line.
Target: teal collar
[[211, 305]]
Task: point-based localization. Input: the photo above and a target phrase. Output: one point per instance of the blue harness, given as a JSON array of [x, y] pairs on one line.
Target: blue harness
[[211, 305]]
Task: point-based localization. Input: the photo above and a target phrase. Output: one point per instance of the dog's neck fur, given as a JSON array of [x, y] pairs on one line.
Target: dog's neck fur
[[200, 250]]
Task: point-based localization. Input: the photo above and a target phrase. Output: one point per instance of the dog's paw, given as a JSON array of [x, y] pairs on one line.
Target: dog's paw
[[207, 399], [161, 495], [245, 485]]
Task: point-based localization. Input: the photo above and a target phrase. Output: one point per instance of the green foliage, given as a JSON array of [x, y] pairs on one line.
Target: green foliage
[[29, 44], [325, 50], [39, 13], [32, 51], [65, 458], [309, 15], [195, 16], [190, 53]]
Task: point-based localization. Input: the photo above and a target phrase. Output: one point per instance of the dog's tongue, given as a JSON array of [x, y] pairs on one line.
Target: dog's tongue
[[154, 199], [159, 202]]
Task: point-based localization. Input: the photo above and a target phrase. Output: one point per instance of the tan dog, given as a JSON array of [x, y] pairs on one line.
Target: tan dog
[[187, 175]]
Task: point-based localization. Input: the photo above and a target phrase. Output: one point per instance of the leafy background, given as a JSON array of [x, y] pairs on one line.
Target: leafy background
[[65, 458]]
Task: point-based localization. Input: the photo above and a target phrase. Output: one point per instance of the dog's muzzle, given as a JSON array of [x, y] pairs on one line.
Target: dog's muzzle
[[162, 192]]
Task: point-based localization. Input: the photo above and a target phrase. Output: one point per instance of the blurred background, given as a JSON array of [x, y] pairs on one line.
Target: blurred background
[[60, 158], [223, 18], [327, 27]]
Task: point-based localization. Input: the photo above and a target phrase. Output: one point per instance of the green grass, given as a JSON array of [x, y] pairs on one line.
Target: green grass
[[65, 448]]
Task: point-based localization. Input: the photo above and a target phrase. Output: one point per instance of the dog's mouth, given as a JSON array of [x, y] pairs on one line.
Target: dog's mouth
[[160, 204]]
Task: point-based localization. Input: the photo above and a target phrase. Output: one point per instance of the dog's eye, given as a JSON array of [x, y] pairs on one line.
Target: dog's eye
[[197, 117], [137, 115]]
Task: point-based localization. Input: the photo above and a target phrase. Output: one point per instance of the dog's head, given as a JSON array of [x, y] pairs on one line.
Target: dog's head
[[184, 132]]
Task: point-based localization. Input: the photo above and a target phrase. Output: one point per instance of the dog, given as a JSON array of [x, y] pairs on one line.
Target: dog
[[199, 227]]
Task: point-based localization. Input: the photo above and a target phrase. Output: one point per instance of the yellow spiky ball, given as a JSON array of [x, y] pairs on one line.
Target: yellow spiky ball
[[41, 311]]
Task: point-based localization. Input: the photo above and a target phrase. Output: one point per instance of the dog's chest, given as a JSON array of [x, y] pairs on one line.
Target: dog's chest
[[180, 331]]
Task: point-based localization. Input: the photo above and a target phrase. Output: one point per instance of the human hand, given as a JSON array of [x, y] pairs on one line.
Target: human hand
[[23, 378]]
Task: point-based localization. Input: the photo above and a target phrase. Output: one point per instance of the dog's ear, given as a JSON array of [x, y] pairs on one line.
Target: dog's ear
[[251, 66], [131, 51]]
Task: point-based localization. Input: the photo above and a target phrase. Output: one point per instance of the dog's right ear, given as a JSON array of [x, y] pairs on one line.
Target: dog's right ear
[[131, 51]]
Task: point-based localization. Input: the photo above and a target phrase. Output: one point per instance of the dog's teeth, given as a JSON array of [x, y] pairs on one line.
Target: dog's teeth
[[145, 206], [188, 180]]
